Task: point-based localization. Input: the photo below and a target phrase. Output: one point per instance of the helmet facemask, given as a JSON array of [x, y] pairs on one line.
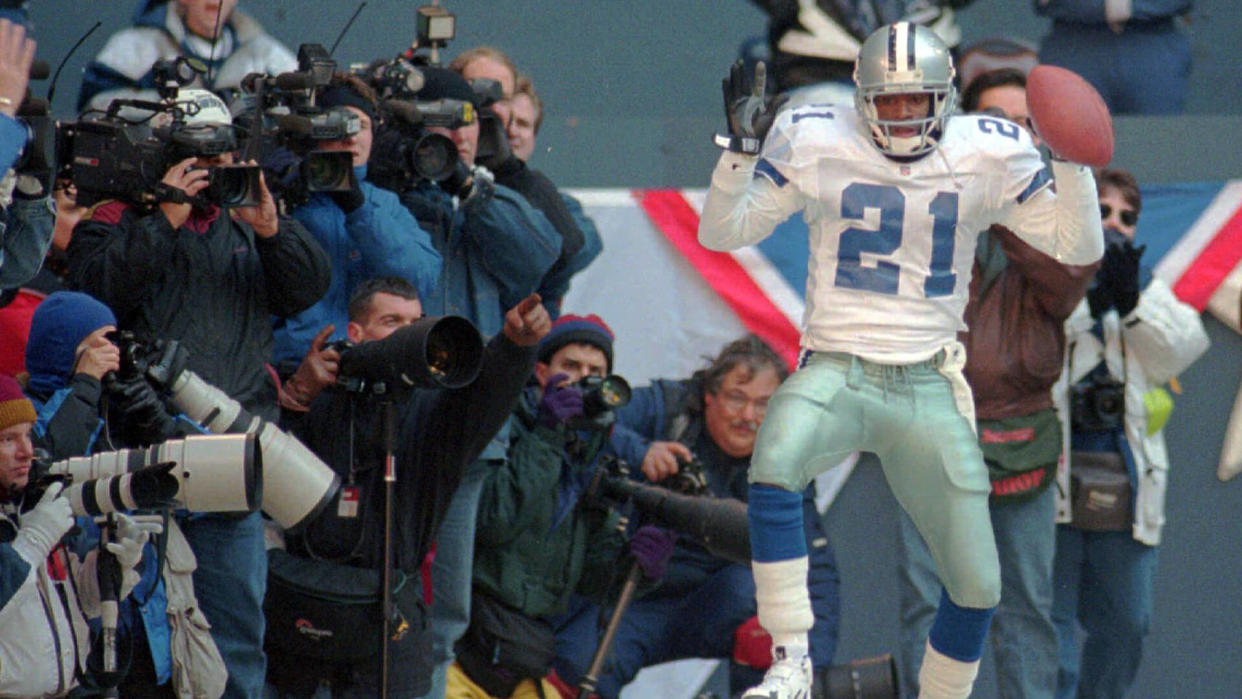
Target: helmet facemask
[[898, 59]]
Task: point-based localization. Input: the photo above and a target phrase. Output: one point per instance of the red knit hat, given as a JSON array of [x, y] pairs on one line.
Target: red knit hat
[[15, 407]]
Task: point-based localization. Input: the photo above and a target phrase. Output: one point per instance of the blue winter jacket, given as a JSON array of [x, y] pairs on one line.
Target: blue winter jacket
[[378, 239], [496, 250]]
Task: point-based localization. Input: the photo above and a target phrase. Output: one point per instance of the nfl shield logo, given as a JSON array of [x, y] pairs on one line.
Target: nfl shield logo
[[905, 170]]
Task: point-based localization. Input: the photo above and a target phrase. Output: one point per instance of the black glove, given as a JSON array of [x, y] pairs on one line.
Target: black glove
[[168, 361], [458, 183], [144, 421], [1099, 297], [1125, 272], [748, 110], [350, 199]]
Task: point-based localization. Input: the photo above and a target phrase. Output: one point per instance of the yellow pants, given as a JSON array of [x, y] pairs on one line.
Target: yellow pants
[[461, 687]]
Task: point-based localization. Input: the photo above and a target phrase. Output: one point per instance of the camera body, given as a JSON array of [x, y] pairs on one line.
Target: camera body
[[114, 156], [1097, 403]]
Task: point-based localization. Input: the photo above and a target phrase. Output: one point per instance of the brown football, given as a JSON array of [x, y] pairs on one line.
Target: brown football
[[1071, 117]]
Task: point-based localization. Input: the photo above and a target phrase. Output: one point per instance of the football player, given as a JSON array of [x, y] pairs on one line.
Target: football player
[[894, 192]]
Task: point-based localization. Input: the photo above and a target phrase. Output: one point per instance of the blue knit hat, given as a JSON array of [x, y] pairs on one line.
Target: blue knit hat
[[590, 330], [58, 326]]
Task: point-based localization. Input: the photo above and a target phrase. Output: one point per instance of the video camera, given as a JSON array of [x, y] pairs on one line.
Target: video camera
[[118, 154], [406, 151], [284, 124], [229, 470], [719, 525]]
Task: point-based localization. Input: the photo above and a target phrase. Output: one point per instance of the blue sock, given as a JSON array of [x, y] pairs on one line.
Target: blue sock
[[959, 632], [775, 524]]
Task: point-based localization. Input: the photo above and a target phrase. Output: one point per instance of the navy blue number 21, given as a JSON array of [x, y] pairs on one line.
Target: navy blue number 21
[[885, 240]]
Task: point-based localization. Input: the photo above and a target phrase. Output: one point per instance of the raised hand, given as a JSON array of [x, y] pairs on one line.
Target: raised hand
[[749, 111]]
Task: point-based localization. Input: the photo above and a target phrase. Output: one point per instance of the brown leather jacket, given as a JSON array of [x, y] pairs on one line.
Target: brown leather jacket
[[1015, 345]]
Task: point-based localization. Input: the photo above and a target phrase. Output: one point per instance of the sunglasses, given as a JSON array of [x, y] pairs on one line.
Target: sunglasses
[[1128, 216]]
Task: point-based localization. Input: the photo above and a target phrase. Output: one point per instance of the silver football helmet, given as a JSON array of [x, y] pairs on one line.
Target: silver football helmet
[[905, 58]]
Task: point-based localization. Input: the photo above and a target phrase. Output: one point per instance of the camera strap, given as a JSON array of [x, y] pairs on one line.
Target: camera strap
[[167, 193]]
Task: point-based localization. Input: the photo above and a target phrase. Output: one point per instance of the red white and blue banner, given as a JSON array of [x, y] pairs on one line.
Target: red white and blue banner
[[671, 302]]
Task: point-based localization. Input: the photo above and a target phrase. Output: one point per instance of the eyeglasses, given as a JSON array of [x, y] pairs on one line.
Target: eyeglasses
[[1128, 216], [736, 402]]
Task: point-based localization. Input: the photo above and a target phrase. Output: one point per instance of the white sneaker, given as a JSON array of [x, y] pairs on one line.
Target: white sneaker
[[788, 678]]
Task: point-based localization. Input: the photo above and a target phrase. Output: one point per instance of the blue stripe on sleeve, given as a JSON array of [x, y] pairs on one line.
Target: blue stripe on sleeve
[[1038, 182], [768, 170]]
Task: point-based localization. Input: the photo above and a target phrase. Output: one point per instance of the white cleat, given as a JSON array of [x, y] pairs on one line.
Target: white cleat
[[788, 678]]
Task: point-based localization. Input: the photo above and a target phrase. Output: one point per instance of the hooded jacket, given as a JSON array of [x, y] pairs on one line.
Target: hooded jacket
[[123, 67]]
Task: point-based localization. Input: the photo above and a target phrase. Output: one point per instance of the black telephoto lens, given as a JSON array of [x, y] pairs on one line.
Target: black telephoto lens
[[328, 170], [436, 352]]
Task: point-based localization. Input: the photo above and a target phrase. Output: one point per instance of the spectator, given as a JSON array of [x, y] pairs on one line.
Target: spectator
[[1135, 53], [526, 110], [710, 419], [580, 242], [73, 385], [1019, 300], [538, 540], [25, 221], [46, 592], [366, 232], [1129, 336], [439, 433], [496, 250], [812, 45], [882, 368], [210, 279], [227, 40]]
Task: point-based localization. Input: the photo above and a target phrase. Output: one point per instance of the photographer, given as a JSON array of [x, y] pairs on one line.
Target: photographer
[[496, 249], [1127, 338], [46, 592], [538, 542], [365, 231], [710, 420], [74, 383], [209, 278], [438, 432], [580, 241]]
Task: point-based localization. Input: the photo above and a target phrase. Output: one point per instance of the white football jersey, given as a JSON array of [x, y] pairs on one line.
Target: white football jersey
[[892, 244]]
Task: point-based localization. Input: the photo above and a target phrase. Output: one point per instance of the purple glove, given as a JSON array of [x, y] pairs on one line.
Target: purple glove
[[559, 403], [651, 548]]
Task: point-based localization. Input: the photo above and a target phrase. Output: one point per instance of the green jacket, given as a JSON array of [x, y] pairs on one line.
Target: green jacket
[[536, 543]]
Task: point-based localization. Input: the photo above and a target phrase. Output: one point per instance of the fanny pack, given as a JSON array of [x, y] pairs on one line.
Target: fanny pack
[[1101, 496], [327, 611], [503, 646], [1021, 455]]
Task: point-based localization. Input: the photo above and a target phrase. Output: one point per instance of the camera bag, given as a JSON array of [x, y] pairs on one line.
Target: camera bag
[[333, 612], [503, 646], [1101, 495]]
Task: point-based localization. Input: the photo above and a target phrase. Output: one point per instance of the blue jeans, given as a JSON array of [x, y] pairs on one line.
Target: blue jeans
[[657, 629], [230, 582], [1023, 639], [451, 573], [1104, 581]]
